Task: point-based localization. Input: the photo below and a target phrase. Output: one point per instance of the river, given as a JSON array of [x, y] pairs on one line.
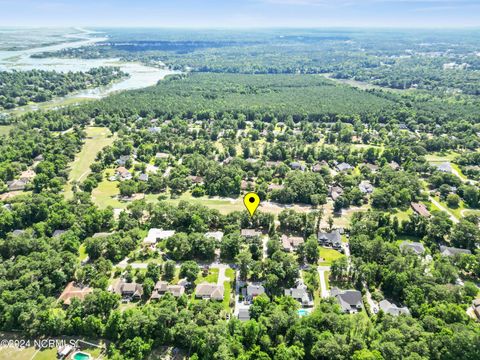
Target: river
[[140, 75]]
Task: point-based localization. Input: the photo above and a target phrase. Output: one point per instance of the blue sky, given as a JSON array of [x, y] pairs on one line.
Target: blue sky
[[241, 13]]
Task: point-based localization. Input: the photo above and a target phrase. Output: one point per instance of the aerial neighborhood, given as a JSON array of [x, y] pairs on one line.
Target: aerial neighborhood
[[272, 194]]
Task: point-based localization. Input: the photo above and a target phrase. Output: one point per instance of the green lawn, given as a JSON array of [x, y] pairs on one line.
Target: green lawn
[[212, 277], [329, 255], [327, 279], [82, 253], [402, 215], [97, 139], [230, 273]]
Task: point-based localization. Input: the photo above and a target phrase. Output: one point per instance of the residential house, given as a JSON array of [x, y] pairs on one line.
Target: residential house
[[209, 291], [335, 192], [333, 239], [154, 129], [372, 167], [344, 167], [38, 158], [18, 232], [101, 234], [64, 350], [74, 291], [290, 243], [394, 165], [217, 235], [123, 174], [416, 247], [445, 167], [122, 160], [156, 235], [58, 233], [198, 180], [297, 166], [392, 309], [246, 185], [129, 290], [254, 290], [161, 155], [271, 164], [420, 209], [300, 294], [365, 187], [162, 287], [143, 177], [476, 307], [249, 233], [452, 251], [349, 300], [16, 185]]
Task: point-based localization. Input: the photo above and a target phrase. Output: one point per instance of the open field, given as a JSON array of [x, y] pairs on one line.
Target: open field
[[97, 139]]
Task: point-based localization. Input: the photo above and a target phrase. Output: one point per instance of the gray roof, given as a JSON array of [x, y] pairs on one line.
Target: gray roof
[[244, 314], [250, 232], [392, 309], [254, 290], [344, 166], [416, 247], [451, 251], [296, 165], [365, 187], [58, 233], [301, 294], [444, 167], [349, 300], [333, 237]]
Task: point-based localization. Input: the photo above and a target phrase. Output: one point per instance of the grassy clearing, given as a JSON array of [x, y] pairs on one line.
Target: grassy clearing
[[403, 215], [329, 255], [5, 129], [97, 139], [441, 157]]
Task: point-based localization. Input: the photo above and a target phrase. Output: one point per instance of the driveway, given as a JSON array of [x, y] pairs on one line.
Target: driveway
[[441, 207], [324, 293]]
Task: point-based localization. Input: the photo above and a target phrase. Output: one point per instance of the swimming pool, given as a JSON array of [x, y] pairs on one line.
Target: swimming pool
[[302, 312], [81, 356]]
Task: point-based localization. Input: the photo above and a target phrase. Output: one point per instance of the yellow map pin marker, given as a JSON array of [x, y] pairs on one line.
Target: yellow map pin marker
[[251, 201]]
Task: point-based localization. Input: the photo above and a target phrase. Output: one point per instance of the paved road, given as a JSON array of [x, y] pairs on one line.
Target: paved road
[[441, 207], [324, 293]]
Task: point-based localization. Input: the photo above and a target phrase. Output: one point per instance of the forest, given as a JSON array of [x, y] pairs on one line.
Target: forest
[[18, 88]]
